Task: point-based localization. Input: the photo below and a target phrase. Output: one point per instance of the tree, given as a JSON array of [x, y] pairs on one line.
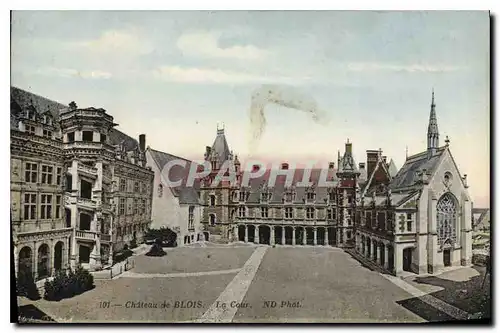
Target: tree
[[26, 284], [164, 235]]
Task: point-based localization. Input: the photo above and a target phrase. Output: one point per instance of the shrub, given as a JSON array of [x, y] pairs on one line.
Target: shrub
[[26, 284], [156, 251], [122, 255], [133, 244], [68, 284]]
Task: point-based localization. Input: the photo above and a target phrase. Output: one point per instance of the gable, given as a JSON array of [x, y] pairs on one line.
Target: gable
[[446, 177]]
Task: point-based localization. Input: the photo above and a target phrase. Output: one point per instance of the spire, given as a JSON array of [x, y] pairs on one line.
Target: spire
[[432, 130]]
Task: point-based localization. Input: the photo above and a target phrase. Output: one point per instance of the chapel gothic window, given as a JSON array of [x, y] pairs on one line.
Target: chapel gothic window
[[446, 219]]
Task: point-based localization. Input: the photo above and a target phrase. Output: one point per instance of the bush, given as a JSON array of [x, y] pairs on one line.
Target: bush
[[156, 251], [65, 285], [26, 284], [133, 244], [122, 255], [164, 236]]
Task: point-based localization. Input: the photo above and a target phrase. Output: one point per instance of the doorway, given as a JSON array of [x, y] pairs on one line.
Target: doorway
[[447, 258], [407, 259]]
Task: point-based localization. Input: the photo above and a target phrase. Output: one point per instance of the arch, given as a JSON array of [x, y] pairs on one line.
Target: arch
[[320, 236], [390, 257], [264, 234], [43, 261], [407, 258], [368, 246], [375, 246], [212, 219], [299, 235], [382, 253], [211, 199], [278, 234], [251, 233], [332, 236], [288, 235], [58, 255], [207, 235], [447, 213], [309, 233], [241, 233], [363, 244], [26, 259]]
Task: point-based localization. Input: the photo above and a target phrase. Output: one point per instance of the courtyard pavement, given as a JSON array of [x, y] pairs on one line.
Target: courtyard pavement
[[245, 284]]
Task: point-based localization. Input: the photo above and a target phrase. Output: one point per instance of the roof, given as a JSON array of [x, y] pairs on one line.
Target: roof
[[392, 168], [256, 186], [408, 174], [220, 147], [21, 99], [185, 194]]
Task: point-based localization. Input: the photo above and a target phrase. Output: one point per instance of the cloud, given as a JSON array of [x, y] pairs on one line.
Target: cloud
[[218, 76], [113, 41], [206, 45], [411, 68], [70, 73]]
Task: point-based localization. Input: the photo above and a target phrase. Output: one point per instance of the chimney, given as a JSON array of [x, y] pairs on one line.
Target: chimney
[[362, 166], [142, 142], [348, 147], [384, 158], [284, 166], [371, 161]]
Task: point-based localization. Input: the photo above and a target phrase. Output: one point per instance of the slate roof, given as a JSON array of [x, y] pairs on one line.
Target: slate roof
[[407, 175], [185, 194], [220, 147], [257, 186], [21, 99]]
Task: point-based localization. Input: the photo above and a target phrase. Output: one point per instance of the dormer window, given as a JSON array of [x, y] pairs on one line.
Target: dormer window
[[265, 196], [30, 129], [242, 196], [87, 136], [47, 134], [331, 196], [310, 213], [311, 196]]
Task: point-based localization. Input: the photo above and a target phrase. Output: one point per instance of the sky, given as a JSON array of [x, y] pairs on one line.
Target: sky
[[177, 75]]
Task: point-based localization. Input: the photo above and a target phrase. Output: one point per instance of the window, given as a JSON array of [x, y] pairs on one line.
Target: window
[[368, 218], [58, 176], [381, 220], [130, 202], [87, 136], [310, 196], [331, 196], [30, 129], [191, 217], [136, 187], [264, 212], [85, 221], [408, 222], [58, 206], [264, 196], [214, 165], [212, 199], [242, 196], [349, 199], [85, 189], [103, 138], [47, 134], [31, 173], [289, 213], [71, 137], [135, 204], [143, 207], [241, 211], [160, 190], [69, 182], [121, 206], [46, 206], [47, 174], [348, 235], [123, 184], [212, 219], [329, 214], [310, 212], [29, 206]]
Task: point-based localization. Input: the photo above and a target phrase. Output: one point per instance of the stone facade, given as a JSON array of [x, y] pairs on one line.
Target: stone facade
[[66, 163]]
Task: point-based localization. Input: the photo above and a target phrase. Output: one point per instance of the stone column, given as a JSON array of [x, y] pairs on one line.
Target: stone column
[[283, 242], [315, 242], [386, 256], [35, 260], [293, 236], [432, 242], [374, 251], [236, 236], [256, 238], [398, 260], [304, 236], [51, 256], [271, 241], [379, 262], [246, 233]]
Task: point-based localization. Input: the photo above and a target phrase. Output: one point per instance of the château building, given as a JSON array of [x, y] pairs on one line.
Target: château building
[[80, 189], [418, 220]]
